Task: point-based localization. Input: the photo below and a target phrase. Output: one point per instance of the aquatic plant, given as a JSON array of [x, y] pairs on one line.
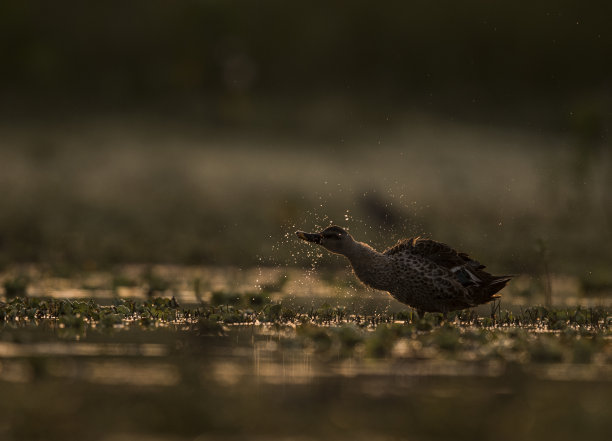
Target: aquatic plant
[[16, 286]]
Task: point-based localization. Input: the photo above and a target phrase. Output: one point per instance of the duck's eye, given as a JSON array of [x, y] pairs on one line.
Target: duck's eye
[[331, 236]]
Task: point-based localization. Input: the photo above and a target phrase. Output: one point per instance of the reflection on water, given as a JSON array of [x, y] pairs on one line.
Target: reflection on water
[[120, 372], [103, 372], [13, 350], [274, 382], [261, 354]]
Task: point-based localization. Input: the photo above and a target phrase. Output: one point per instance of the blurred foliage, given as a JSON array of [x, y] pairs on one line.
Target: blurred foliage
[[234, 62], [328, 90], [136, 199], [599, 283], [16, 286]]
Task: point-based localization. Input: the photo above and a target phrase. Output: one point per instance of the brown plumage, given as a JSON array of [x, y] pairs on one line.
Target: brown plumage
[[422, 273]]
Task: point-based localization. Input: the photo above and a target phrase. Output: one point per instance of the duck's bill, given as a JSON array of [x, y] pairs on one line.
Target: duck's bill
[[310, 237]]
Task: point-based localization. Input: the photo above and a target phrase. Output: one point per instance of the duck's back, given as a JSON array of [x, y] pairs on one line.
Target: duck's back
[[432, 276]]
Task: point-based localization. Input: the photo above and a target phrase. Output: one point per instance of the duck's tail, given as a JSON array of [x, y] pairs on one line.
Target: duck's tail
[[487, 291]]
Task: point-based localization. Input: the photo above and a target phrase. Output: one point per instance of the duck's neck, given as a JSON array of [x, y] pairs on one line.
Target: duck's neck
[[368, 264]]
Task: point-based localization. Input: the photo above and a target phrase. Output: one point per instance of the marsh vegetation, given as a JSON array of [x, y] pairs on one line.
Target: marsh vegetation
[[175, 353]]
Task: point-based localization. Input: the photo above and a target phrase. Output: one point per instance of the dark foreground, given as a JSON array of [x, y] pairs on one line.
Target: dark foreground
[[156, 370]]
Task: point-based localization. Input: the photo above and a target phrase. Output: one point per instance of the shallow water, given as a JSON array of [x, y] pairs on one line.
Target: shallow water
[[258, 383], [336, 361]]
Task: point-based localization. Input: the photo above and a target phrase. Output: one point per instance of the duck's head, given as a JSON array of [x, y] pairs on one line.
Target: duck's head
[[335, 239]]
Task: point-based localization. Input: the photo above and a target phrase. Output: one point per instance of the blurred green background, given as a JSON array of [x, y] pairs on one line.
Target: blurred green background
[[206, 132]]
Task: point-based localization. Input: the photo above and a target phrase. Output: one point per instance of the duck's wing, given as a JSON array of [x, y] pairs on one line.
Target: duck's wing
[[461, 270], [438, 252], [466, 270]]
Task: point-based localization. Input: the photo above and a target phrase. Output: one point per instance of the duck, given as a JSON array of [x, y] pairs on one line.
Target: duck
[[424, 274]]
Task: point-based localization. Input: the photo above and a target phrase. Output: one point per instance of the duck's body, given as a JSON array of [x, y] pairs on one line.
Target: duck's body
[[422, 273]]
